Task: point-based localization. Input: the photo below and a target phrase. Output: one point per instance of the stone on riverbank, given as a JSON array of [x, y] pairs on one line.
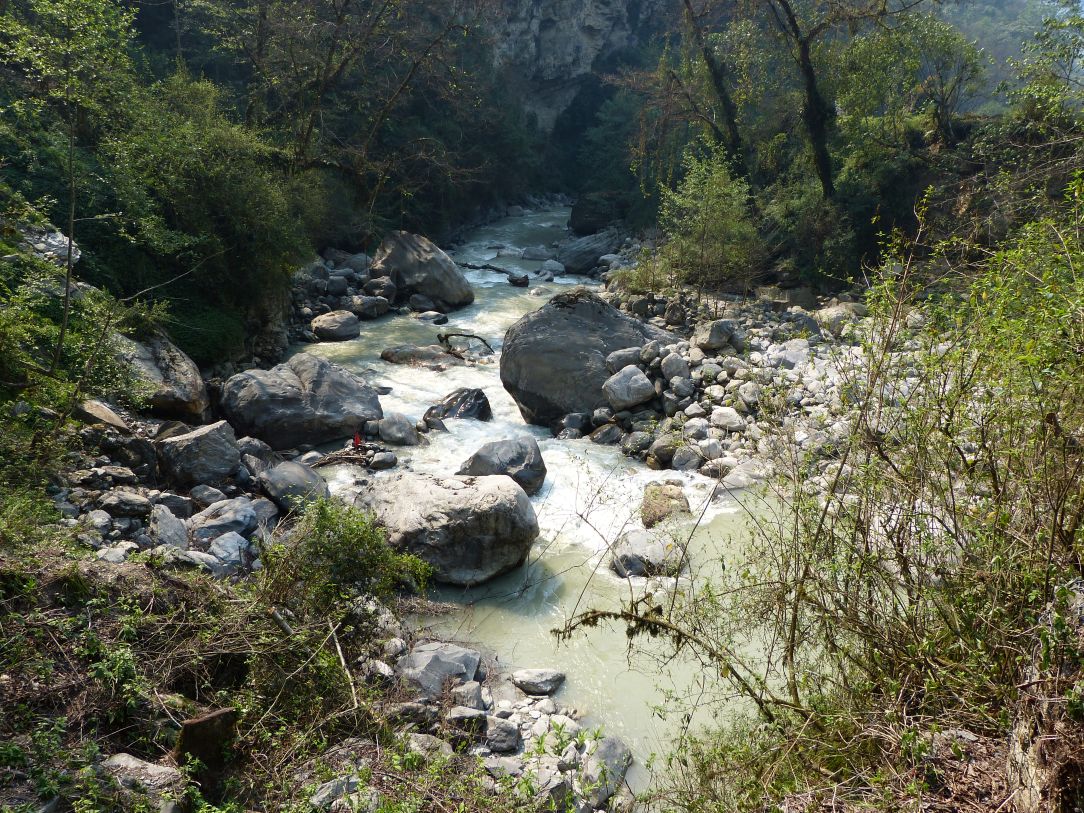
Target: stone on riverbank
[[306, 400], [417, 266], [628, 388], [538, 681], [603, 771], [205, 455], [336, 326], [429, 666], [177, 387], [292, 484], [469, 529], [580, 256], [554, 359]]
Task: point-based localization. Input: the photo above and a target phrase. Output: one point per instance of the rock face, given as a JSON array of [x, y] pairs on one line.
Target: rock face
[[206, 455], [554, 359], [582, 255], [178, 390], [416, 266], [306, 400], [289, 483], [468, 529], [519, 458], [554, 46]]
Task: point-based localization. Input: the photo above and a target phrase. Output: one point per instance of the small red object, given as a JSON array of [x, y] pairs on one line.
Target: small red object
[[357, 440]]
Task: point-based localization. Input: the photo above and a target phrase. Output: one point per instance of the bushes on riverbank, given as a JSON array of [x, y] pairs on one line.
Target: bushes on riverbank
[[100, 658], [922, 575]]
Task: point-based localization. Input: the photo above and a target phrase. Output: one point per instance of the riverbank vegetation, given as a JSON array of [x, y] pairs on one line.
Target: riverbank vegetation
[[203, 150], [903, 624], [104, 658]]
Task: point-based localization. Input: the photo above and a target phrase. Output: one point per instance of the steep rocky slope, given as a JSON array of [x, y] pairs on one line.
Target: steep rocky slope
[[554, 45]]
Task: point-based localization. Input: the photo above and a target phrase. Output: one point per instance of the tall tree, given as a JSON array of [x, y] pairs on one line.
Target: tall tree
[[802, 25]]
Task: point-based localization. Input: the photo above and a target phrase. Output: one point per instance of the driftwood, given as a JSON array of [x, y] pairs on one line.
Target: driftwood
[[486, 267], [443, 338], [356, 457]]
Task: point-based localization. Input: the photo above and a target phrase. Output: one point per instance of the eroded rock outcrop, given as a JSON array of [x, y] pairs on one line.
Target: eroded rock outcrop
[[554, 46]]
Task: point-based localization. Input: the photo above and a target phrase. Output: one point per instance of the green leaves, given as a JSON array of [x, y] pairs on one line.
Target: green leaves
[[75, 52]]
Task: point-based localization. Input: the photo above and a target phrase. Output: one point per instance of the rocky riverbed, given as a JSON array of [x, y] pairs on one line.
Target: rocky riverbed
[[468, 474]]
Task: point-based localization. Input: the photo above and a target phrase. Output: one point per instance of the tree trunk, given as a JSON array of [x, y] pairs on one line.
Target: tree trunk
[[717, 73], [815, 117]]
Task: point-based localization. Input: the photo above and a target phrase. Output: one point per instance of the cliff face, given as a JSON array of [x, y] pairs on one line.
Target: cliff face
[[552, 46]]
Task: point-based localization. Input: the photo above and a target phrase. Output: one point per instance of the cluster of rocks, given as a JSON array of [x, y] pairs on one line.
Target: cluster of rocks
[[332, 296], [456, 703], [192, 498], [585, 368], [200, 497]]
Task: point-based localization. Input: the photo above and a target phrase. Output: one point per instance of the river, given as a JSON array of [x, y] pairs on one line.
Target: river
[[592, 493]]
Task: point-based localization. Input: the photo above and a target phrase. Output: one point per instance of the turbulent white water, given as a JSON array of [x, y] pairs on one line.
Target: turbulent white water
[[592, 493]]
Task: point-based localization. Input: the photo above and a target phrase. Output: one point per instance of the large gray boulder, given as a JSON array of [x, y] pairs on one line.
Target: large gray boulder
[[582, 255], [519, 458], [291, 484], [398, 430], [469, 529], [429, 667], [714, 335], [177, 388], [554, 359], [416, 266], [306, 400], [336, 326], [205, 455]]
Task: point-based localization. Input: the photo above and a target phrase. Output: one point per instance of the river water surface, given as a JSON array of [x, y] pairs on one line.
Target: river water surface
[[592, 493]]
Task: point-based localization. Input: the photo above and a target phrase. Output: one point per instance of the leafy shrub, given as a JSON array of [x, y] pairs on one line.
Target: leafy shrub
[[334, 553], [711, 239]]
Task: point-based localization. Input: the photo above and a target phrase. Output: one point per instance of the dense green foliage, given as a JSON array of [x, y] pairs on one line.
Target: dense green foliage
[[839, 123], [197, 170]]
